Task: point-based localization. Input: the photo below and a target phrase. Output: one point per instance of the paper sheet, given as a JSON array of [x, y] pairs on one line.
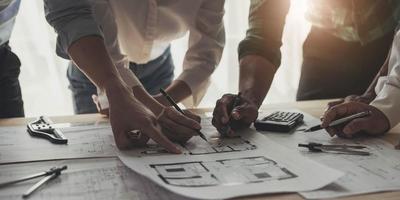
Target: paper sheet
[[229, 168], [85, 179], [364, 174], [87, 141]]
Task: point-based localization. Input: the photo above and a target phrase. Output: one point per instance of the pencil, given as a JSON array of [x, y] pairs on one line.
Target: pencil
[[173, 103]]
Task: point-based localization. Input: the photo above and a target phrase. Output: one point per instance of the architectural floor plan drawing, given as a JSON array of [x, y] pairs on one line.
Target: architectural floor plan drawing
[[228, 167], [197, 146], [230, 171]]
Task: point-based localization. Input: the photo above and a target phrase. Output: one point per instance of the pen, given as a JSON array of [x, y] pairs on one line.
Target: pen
[[236, 103], [340, 121], [172, 102]]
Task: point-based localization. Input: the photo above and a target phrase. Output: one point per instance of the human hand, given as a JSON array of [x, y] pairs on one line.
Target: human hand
[[178, 127], [374, 124], [365, 98], [161, 99], [126, 114], [227, 119]]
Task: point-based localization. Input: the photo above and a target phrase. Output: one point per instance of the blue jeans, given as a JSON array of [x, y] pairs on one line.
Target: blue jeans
[[11, 104], [153, 75]]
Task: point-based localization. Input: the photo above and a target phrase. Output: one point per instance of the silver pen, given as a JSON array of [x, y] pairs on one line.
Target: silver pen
[[340, 121]]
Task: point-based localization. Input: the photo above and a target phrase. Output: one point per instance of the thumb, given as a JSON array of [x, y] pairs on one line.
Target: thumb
[[334, 103], [236, 113], [356, 125]]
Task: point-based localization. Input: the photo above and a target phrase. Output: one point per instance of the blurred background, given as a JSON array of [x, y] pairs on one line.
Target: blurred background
[[43, 74]]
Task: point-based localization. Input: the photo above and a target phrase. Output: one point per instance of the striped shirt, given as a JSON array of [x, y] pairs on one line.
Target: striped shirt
[[361, 21]]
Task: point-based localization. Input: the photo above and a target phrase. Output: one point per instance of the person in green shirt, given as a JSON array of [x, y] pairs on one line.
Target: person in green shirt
[[348, 42]]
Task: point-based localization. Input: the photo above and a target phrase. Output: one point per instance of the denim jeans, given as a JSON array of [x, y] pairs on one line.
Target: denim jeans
[[11, 104], [153, 75]]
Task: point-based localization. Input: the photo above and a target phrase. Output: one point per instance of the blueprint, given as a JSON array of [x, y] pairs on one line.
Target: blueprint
[[226, 168], [85, 179], [86, 141], [364, 174]]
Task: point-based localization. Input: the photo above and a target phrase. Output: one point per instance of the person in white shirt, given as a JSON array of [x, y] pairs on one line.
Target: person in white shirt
[[138, 35], [384, 108], [102, 37]]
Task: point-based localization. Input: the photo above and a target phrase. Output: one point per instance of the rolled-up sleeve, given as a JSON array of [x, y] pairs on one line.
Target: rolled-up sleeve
[[206, 44], [388, 87], [72, 20], [264, 35]]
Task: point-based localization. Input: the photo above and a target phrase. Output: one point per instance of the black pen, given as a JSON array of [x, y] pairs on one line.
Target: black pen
[[339, 121], [172, 102], [236, 103]]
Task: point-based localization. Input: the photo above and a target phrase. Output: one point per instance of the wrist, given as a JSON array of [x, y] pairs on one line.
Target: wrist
[[252, 98], [150, 102], [114, 88]]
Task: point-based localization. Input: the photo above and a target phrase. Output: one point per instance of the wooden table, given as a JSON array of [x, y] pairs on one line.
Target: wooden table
[[315, 108]]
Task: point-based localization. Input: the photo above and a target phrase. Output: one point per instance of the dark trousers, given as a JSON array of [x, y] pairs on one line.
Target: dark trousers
[[153, 75], [333, 68], [11, 104]]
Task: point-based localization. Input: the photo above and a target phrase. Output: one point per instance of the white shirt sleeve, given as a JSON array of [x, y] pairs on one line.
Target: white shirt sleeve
[[388, 87], [206, 43]]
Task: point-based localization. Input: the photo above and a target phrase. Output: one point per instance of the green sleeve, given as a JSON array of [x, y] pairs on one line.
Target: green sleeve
[[264, 35]]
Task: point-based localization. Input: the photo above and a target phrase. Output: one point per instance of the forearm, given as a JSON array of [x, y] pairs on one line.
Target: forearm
[[90, 55], [179, 90], [256, 75]]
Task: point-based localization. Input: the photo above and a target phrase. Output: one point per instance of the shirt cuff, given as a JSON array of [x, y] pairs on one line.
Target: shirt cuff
[[73, 31], [198, 83], [253, 46], [388, 101]]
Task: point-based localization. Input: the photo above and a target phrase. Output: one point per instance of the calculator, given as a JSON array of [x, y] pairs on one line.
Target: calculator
[[279, 122]]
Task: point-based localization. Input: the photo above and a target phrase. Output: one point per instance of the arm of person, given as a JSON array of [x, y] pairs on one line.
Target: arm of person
[[80, 39], [259, 56], [206, 44]]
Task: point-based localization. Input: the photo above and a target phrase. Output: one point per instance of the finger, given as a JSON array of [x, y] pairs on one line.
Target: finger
[[357, 125], [181, 119], [192, 116], [141, 142], [121, 140], [221, 109], [340, 111], [176, 129], [154, 132], [331, 131], [248, 113], [334, 103], [180, 139]]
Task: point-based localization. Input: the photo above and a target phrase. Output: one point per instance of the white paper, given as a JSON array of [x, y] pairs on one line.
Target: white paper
[[230, 168], [88, 141], [85, 179], [364, 174]]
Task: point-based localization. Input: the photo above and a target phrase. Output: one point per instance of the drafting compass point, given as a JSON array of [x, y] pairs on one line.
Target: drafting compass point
[[42, 128]]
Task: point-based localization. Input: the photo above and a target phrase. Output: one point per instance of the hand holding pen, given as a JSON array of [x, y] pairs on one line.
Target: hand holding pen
[[233, 112], [366, 119], [175, 105]]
